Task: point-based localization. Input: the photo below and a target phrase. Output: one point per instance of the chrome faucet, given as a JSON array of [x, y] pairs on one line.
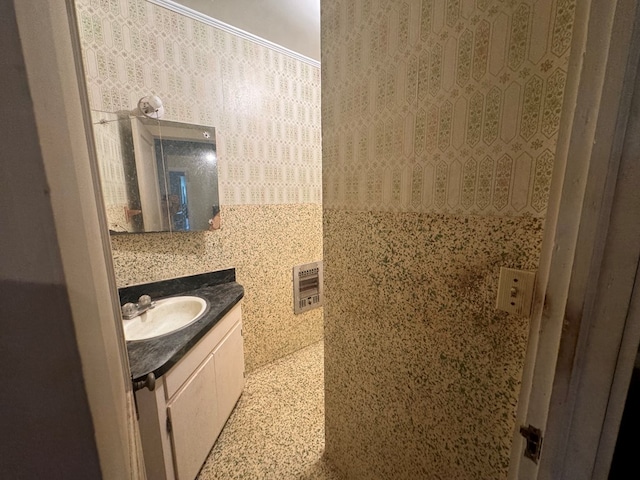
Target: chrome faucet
[[131, 310]]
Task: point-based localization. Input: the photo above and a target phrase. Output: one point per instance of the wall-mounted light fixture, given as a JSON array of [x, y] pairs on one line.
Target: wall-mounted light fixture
[[151, 106]]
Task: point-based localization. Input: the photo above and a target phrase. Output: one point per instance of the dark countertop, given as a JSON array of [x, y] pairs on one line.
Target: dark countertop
[[159, 354]]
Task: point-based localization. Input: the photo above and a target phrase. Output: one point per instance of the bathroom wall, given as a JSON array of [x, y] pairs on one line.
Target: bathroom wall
[[46, 423], [440, 119], [265, 106]]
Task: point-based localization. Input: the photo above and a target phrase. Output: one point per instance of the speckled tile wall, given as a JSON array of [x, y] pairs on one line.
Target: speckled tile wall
[[260, 241], [440, 120], [265, 106], [422, 373]]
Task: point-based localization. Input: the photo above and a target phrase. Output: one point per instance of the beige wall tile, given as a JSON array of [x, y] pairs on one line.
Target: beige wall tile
[[263, 243], [422, 373]]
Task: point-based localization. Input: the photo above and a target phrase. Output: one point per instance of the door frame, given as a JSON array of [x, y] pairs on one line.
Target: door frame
[[587, 265], [50, 45]]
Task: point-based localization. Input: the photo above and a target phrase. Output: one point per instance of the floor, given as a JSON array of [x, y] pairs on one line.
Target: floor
[[277, 428]]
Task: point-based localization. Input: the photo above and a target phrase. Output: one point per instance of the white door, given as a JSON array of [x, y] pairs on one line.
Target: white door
[[582, 328]]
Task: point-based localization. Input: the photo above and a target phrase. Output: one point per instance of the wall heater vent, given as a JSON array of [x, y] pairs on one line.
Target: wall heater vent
[[307, 287]]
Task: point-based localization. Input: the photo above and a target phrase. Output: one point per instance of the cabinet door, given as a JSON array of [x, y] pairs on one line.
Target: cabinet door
[[195, 423], [229, 360]]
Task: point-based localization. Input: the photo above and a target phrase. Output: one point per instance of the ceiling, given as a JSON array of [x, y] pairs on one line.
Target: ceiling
[[293, 24]]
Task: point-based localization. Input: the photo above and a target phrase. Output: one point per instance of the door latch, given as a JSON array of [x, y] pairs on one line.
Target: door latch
[[533, 437]]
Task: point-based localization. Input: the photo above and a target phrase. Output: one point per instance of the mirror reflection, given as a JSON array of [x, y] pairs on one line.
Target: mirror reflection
[[156, 175]]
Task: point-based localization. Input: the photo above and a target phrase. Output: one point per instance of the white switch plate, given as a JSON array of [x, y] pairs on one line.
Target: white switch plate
[[515, 291]]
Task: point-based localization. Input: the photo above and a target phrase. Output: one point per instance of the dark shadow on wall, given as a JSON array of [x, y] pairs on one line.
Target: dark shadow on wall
[[625, 457]]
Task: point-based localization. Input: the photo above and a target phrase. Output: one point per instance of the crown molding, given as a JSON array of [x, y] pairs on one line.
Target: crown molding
[[201, 17]]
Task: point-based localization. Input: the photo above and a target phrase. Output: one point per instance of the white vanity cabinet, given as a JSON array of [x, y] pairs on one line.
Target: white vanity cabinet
[[182, 418]]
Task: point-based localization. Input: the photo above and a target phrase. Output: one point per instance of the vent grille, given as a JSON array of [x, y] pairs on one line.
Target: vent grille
[[307, 287]]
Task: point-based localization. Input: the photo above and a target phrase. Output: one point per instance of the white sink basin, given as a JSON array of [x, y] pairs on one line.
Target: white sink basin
[[169, 315]]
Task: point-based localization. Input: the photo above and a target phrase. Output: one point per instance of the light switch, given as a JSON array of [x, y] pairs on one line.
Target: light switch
[[515, 291]]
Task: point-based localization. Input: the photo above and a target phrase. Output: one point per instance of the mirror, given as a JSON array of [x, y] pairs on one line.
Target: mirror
[[156, 175]]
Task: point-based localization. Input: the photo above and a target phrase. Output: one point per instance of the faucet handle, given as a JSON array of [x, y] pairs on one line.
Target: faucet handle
[[129, 309], [144, 300]]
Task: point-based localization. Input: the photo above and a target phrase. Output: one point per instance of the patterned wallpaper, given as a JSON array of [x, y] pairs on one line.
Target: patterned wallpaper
[[264, 104], [448, 106], [109, 150], [111, 162]]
